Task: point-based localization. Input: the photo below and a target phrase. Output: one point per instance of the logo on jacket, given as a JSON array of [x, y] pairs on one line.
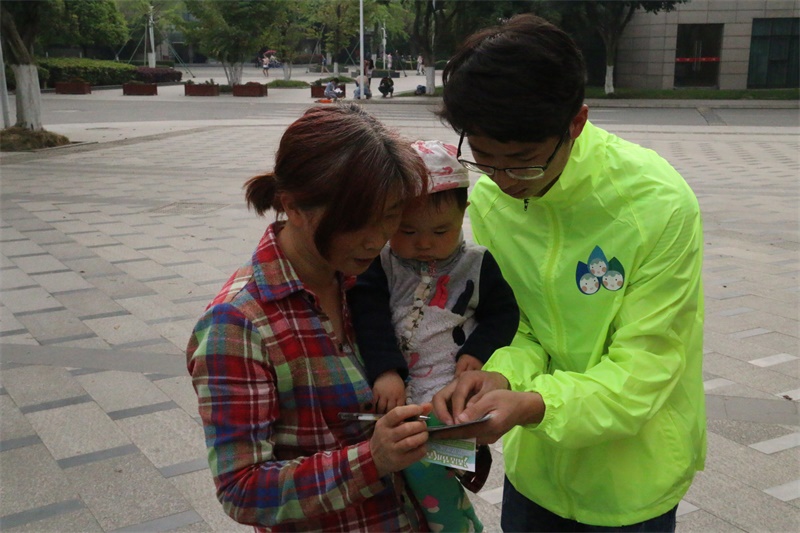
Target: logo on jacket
[[599, 271]]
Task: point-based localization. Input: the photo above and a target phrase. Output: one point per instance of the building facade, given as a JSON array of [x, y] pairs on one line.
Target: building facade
[[722, 44]]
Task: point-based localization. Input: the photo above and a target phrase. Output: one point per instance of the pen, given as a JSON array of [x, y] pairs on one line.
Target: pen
[[372, 417]]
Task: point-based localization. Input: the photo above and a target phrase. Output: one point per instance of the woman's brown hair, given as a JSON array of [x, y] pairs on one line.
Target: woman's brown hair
[[341, 159]]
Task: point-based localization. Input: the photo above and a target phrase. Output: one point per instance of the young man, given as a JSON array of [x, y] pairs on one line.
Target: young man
[[600, 395]]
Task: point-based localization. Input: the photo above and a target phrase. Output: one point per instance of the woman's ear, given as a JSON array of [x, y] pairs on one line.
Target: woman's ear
[[578, 122]]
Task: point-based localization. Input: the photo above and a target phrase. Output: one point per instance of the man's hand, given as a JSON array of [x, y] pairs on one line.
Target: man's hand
[[449, 402], [467, 362], [389, 391], [397, 443], [476, 394]]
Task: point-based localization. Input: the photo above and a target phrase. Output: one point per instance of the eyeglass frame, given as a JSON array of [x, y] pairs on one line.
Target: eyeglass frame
[[475, 167]]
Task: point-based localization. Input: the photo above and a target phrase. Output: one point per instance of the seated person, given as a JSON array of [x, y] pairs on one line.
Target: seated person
[[357, 92], [386, 87], [332, 90]]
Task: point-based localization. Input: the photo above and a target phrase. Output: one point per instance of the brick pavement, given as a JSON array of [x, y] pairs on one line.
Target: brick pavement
[[111, 250]]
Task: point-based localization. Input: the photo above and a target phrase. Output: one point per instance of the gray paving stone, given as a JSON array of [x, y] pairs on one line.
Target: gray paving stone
[[89, 303], [167, 437], [13, 278], [79, 521], [69, 252], [62, 281], [50, 236], [25, 300], [76, 430], [22, 248], [131, 479], [198, 489], [149, 308], [55, 326], [115, 390], [92, 267], [741, 505], [746, 433], [750, 466], [703, 522], [179, 389], [144, 269], [13, 425], [121, 286], [40, 480], [36, 264], [177, 289], [33, 385]]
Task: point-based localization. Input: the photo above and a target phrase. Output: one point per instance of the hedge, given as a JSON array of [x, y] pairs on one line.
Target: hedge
[[11, 80], [95, 71]]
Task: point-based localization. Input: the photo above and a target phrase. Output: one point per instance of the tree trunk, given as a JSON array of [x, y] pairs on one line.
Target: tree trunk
[[233, 71], [430, 79], [28, 97], [287, 70], [609, 86]]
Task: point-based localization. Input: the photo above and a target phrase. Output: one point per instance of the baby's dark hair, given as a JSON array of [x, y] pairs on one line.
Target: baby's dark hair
[[436, 199]]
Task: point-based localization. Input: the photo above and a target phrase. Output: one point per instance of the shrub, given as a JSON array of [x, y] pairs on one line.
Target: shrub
[[158, 74], [287, 84], [307, 59], [95, 71]]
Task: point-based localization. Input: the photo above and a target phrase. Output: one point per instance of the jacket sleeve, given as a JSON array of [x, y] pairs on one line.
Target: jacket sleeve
[[659, 321], [497, 314], [238, 403], [372, 321]]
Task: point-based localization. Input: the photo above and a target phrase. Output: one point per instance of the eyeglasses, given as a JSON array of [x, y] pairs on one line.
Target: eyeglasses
[[517, 173]]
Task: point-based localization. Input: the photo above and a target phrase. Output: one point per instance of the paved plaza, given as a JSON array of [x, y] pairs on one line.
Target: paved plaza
[[112, 247]]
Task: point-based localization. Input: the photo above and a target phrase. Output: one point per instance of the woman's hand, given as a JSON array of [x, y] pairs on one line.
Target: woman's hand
[[389, 391], [398, 443]]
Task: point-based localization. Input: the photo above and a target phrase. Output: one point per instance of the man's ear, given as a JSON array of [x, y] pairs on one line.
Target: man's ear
[[578, 122]]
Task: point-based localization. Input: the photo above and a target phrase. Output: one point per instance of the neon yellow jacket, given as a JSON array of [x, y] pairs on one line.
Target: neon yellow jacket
[[606, 268]]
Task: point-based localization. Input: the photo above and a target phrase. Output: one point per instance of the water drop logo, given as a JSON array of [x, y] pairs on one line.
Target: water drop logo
[[598, 272]]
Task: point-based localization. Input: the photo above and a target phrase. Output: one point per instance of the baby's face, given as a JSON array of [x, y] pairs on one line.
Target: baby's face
[[428, 233]]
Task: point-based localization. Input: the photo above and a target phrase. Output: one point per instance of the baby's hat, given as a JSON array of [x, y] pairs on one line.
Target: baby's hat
[[444, 170]]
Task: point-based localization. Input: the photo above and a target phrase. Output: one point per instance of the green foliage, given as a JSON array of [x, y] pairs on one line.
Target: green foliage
[[324, 81], [95, 71], [287, 84], [229, 31]]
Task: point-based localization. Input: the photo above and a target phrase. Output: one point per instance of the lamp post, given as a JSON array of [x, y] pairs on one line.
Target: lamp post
[[361, 48]]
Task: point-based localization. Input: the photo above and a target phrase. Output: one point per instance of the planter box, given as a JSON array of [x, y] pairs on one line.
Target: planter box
[[318, 91], [250, 89], [200, 89], [73, 87], [140, 89]]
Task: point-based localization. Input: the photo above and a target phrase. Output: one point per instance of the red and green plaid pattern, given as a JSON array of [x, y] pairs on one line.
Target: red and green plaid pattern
[[271, 381]]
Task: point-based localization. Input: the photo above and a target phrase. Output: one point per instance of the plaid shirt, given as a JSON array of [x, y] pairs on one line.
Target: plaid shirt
[[271, 382]]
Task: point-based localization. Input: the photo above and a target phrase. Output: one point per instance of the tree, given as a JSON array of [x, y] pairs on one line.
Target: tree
[[609, 19], [289, 25], [231, 31], [89, 23], [21, 23], [431, 17]]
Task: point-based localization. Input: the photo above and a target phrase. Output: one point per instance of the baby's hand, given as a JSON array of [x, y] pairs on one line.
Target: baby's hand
[[467, 362], [389, 391]]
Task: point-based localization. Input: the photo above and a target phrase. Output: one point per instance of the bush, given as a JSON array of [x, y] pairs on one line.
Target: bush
[[324, 81], [95, 71], [158, 74], [143, 63], [441, 64], [287, 84]]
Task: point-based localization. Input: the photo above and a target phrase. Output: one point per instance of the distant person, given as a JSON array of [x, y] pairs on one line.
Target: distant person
[[324, 67], [357, 92], [332, 90], [420, 65], [273, 358], [388, 61], [386, 87], [265, 65], [599, 399], [369, 68]]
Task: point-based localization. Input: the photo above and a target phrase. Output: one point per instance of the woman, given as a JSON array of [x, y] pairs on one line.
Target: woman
[[273, 359]]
